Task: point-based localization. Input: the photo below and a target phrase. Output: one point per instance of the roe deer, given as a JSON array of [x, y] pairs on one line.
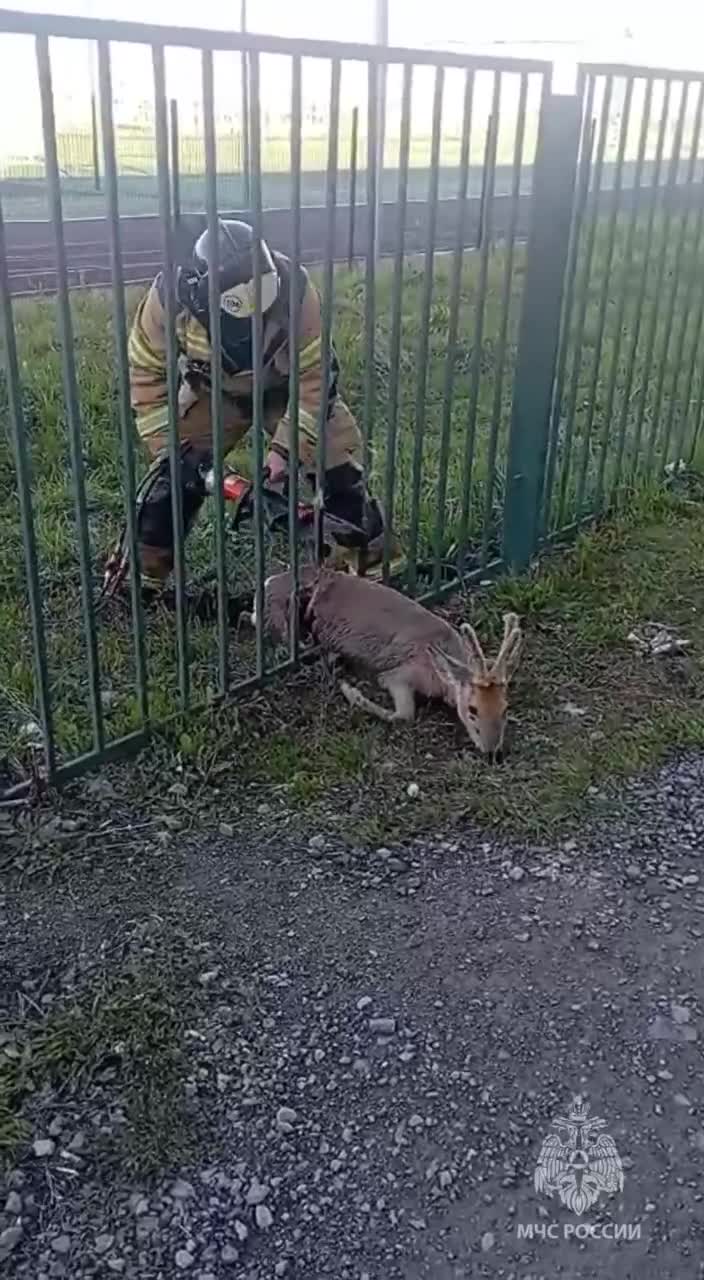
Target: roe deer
[[409, 649]]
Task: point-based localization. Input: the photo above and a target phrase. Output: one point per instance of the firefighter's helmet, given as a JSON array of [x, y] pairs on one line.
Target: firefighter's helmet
[[236, 250]]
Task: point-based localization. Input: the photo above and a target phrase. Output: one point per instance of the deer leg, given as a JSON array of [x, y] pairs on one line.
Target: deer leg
[[404, 700]]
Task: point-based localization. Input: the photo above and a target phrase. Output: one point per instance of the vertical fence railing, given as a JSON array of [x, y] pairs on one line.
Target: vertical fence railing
[[18, 429], [353, 186], [452, 328], [257, 451], [396, 319], [486, 215], [423, 340], [294, 390], [71, 392], [119, 312], [216, 401], [170, 310], [633, 338]]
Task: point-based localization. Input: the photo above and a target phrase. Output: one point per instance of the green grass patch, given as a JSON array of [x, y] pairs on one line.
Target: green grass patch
[[587, 708], [118, 1039]]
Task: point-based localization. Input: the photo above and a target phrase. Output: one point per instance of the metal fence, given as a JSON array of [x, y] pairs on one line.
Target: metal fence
[[629, 383], [476, 375]]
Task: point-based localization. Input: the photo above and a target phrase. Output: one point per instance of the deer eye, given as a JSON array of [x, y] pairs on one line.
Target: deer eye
[[472, 710]]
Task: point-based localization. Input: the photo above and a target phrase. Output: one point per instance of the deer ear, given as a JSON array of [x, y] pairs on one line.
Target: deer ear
[[475, 653], [447, 667]]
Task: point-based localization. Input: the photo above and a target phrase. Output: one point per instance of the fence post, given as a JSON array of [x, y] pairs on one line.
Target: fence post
[[175, 163], [554, 176]]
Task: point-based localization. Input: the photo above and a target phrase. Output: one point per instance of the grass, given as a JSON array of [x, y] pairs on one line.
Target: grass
[[587, 709], [52, 494], [118, 1038]]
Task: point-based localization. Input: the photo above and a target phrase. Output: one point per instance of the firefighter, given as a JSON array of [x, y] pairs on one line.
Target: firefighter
[[345, 493]]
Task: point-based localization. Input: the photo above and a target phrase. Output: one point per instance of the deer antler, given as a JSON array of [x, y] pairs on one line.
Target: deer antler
[[506, 659], [475, 654]]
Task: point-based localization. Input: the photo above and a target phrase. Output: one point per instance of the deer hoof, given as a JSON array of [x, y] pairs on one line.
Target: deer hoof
[[352, 695]]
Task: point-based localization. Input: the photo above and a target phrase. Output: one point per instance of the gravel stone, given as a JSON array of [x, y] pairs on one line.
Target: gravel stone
[[182, 1190], [257, 1192], [9, 1239], [61, 1244], [382, 1026], [13, 1204], [263, 1217], [44, 1147], [183, 1259]]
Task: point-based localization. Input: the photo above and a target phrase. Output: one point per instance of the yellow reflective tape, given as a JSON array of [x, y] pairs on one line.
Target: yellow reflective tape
[[142, 355], [148, 424], [310, 355], [307, 425]]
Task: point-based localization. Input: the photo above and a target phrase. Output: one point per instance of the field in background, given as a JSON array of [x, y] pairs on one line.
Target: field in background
[[40, 361]]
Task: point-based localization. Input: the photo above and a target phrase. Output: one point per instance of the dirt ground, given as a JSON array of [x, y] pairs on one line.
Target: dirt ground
[[261, 1055]]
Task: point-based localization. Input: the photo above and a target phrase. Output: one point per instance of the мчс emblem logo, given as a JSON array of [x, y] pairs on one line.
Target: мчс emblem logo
[[579, 1162]]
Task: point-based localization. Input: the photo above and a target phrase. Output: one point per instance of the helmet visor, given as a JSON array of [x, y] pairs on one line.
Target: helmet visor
[[238, 300]]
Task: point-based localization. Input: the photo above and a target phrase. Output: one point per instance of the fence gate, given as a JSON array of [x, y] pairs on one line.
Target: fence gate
[[488, 332]]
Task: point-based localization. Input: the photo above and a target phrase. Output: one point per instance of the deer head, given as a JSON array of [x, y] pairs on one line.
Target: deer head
[[479, 688]]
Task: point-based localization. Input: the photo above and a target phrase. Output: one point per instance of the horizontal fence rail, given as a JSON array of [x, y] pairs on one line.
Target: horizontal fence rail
[[502, 329]]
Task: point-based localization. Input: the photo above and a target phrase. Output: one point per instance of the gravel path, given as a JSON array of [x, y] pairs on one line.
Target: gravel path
[[382, 1040]]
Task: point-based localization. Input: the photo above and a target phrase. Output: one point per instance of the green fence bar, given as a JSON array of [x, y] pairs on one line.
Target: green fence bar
[[396, 319], [622, 290], [698, 417], [688, 309], [478, 338], [94, 142], [675, 283], [168, 271], [175, 163], [68, 364], [18, 431], [216, 406], [424, 338], [554, 177], [503, 323], [426, 304], [353, 186], [255, 144], [583, 296], [697, 356], [640, 300], [659, 283], [294, 394], [246, 158], [615, 200], [119, 315], [582, 190], [370, 271], [328, 281], [452, 329]]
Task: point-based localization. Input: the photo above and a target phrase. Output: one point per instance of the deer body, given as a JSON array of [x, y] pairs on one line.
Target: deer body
[[410, 650]]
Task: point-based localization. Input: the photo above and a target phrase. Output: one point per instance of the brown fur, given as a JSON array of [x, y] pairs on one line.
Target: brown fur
[[409, 649]]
